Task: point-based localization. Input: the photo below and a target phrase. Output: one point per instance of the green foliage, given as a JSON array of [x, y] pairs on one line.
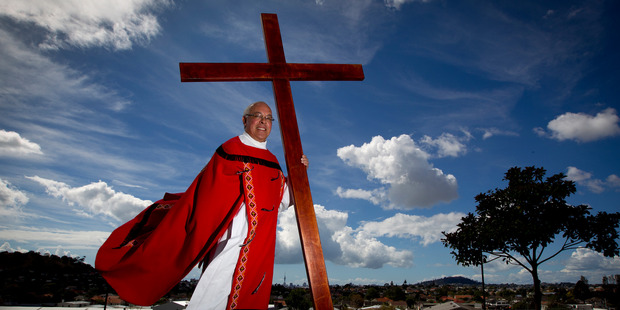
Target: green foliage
[[557, 306], [581, 290], [395, 293], [279, 290], [298, 299], [411, 301], [506, 294], [525, 218], [523, 305], [372, 293], [356, 300]]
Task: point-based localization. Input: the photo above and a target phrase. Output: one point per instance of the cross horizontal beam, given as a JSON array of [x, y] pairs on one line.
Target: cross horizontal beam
[[229, 72]]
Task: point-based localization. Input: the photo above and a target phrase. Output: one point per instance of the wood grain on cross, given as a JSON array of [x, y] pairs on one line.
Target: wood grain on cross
[[280, 73]]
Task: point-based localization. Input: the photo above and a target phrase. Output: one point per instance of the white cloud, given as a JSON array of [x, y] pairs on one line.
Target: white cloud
[[499, 266], [6, 247], [357, 280], [427, 229], [447, 144], [58, 251], [549, 13], [613, 181], [58, 239], [577, 175], [597, 186], [375, 196], [11, 201], [583, 260], [359, 249], [341, 244], [11, 197], [88, 23], [96, 198], [490, 132], [401, 164], [50, 85], [13, 145], [582, 127], [395, 4]]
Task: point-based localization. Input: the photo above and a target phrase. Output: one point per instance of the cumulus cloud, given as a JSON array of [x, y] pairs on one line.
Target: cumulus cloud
[[447, 144], [582, 260], [58, 251], [10, 196], [359, 249], [594, 185], [582, 127], [341, 244], [96, 198], [613, 181], [6, 247], [375, 196], [499, 266], [427, 229], [410, 179], [89, 23], [14, 145], [11, 201]]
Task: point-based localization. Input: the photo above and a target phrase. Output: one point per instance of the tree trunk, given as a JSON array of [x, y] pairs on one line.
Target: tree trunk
[[537, 290]]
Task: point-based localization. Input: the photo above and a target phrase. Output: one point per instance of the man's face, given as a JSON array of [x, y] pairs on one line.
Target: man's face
[[258, 128]]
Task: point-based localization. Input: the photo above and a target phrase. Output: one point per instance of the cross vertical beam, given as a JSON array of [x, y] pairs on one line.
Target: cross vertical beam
[[304, 207], [280, 73]]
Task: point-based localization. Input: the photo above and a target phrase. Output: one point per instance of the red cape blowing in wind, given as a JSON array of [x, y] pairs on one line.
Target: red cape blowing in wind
[[146, 257]]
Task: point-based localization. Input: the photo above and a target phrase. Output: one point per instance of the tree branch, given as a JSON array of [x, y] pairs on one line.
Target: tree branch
[[511, 258], [568, 245]]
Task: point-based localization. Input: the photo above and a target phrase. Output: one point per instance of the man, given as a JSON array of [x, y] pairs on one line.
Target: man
[[227, 219]]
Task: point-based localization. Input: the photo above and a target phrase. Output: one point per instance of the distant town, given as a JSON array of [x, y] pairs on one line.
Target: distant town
[[35, 280]]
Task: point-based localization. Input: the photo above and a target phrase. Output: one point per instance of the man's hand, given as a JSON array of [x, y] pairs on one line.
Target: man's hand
[[304, 160]]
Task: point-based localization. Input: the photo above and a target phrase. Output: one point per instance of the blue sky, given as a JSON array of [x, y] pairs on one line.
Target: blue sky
[[95, 123]]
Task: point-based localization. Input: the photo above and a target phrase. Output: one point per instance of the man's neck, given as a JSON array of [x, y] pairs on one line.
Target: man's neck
[[248, 140]]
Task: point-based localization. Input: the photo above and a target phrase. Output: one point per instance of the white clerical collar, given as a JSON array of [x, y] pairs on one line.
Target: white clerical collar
[[248, 140]]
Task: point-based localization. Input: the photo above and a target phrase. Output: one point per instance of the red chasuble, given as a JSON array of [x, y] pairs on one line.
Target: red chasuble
[[147, 256]]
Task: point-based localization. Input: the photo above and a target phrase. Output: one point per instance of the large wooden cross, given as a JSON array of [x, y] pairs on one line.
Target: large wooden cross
[[280, 73]]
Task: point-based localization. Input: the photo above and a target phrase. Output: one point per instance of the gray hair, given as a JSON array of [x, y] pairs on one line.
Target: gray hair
[[249, 108]]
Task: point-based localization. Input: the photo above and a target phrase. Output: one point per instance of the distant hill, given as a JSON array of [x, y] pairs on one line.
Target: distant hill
[[450, 281], [35, 279], [32, 278]]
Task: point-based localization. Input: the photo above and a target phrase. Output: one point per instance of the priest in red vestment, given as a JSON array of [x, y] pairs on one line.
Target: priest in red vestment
[[226, 219]]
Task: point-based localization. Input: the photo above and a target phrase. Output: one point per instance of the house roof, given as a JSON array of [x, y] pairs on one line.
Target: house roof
[[450, 306]]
